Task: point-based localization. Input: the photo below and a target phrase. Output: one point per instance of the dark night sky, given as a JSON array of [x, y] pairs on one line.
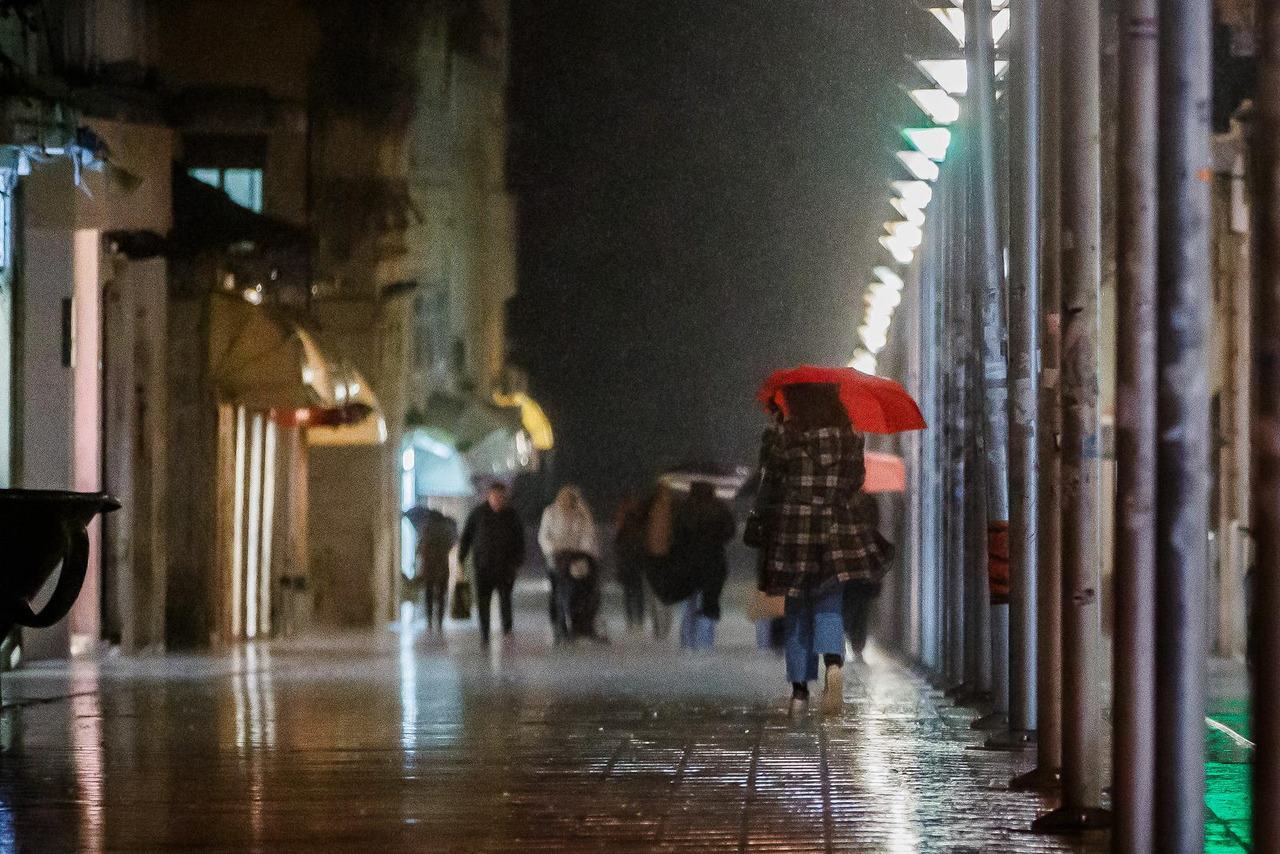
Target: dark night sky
[[701, 184]]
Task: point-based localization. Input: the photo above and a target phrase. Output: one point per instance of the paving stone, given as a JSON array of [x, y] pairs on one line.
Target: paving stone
[[362, 744]]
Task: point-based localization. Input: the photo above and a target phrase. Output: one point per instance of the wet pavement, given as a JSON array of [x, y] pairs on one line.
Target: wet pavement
[[395, 743]]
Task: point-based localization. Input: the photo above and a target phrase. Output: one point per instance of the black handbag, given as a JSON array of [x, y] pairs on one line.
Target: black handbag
[[461, 605], [756, 532]]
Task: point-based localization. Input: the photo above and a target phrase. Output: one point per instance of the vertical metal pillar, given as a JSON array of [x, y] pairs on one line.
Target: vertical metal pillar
[[1047, 772], [930, 507], [987, 263], [912, 447], [1133, 648], [958, 334], [1182, 452], [1024, 343], [1265, 628], [1081, 427]]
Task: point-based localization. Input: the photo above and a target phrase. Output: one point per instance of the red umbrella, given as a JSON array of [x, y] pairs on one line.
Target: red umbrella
[[875, 404]]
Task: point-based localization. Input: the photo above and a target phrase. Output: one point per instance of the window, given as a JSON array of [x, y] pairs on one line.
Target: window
[[242, 186]]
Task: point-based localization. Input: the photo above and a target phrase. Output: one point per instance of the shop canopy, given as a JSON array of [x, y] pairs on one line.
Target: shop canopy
[[366, 424], [464, 421], [261, 360]]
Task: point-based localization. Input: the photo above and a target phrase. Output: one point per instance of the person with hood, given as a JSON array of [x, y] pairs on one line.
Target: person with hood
[[814, 538], [703, 526], [437, 535], [568, 540], [494, 537]]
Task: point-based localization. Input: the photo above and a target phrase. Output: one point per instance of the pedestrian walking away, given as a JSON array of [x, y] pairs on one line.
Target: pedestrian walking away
[[493, 537], [437, 535], [629, 554], [860, 596], [567, 537], [813, 538], [703, 526]]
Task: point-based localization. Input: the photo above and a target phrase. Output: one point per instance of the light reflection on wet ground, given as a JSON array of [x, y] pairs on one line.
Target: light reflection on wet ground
[[361, 744]]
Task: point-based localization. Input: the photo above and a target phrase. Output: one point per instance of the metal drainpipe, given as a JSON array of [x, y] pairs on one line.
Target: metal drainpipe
[[1047, 772], [988, 281], [1133, 668], [957, 325], [1024, 344], [1081, 427], [1182, 451]]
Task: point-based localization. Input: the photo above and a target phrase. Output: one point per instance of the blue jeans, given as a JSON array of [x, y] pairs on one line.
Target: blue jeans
[[697, 631], [815, 626]]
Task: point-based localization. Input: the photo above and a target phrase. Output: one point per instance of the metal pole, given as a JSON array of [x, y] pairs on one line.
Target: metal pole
[[1024, 342], [1182, 453], [1264, 137], [1081, 427], [1047, 772], [1133, 648], [958, 634], [930, 507], [988, 279]]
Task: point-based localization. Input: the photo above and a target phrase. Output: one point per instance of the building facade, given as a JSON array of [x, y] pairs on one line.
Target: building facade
[[249, 249]]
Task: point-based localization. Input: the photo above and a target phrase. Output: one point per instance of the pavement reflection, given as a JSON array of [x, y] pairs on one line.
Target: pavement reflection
[[406, 742]]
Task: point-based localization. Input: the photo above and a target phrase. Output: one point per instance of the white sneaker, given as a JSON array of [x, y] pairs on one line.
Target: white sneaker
[[799, 705], [833, 694]]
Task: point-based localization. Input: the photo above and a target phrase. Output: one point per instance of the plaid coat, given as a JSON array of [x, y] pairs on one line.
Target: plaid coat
[[818, 536]]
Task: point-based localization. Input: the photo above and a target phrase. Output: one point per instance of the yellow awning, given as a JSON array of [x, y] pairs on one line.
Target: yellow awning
[[262, 361], [535, 421]]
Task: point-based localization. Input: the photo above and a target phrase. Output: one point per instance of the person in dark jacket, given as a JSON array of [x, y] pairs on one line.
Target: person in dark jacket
[[629, 556], [436, 538], [703, 526], [494, 538], [860, 595]]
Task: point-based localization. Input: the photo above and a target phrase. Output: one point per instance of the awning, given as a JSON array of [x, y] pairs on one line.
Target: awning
[[534, 420], [464, 421], [264, 361], [364, 423]]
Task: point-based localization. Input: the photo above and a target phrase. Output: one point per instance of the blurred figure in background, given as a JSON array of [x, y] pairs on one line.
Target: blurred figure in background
[[702, 527], [494, 537], [861, 594], [629, 552], [658, 538], [436, 538], [568, 540]]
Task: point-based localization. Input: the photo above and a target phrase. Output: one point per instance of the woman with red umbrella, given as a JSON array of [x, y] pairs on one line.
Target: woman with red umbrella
[[808, 524]]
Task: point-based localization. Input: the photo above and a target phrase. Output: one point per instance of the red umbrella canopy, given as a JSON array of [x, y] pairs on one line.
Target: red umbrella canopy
[[875, 404]]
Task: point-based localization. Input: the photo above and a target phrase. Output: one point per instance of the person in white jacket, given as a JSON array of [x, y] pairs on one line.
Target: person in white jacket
[[568, 539]]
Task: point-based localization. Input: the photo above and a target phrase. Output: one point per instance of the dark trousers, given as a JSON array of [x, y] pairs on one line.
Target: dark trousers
[[433, 602], [858, 598], [633, 596], [485, 588]]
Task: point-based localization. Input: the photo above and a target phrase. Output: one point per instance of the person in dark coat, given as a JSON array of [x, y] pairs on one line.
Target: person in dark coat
[[494, 538], [860, 595], [815, 540], [436, 537], [629, 555], [703, 526]]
